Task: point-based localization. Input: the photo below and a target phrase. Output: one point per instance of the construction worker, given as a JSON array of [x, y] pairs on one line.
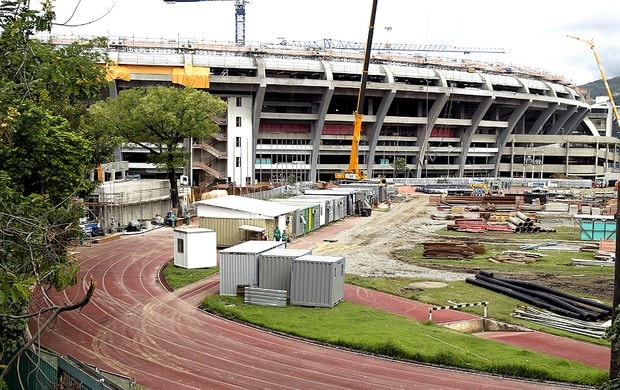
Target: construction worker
[[276, 234], [285, 237]]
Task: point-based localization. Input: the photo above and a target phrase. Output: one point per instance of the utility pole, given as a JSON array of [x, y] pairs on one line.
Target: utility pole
[[614, 367]]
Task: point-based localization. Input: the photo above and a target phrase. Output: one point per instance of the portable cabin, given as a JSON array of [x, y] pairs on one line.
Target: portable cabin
[[317, 280], [306, 219], [274, 268], [335, 207], [195, 248], [239, 265], [378, 191], [237, 219], [356, 198]]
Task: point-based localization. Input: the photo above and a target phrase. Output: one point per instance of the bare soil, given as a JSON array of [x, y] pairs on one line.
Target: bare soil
[[378, 247]]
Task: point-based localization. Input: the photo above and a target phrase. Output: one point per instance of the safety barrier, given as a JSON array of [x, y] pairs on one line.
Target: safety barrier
[[433, 308]]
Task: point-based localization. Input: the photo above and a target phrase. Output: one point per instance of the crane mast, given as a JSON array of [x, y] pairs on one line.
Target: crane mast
[[354, 172], [239, 17], [600, 68]]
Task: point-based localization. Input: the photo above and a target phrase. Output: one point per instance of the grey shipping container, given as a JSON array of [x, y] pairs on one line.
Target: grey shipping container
[[274, 268], [317, 280], [239, 264]]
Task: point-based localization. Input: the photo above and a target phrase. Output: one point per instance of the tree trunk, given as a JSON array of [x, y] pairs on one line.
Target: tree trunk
[[174, 188]]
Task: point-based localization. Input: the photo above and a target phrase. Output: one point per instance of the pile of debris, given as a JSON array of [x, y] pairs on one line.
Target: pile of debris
[[516, 257], [604, 256], [502, 223], [543, 297], [452, 250], [547, 318]]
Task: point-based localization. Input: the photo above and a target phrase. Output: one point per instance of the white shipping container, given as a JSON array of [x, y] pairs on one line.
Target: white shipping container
[[195, 248], [317, 280], [239, 264]]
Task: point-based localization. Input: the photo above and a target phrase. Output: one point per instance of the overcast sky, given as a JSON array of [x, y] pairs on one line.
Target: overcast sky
[[532, 33]]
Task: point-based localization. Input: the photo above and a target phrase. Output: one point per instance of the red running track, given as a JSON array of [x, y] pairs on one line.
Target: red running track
[[134, 327]]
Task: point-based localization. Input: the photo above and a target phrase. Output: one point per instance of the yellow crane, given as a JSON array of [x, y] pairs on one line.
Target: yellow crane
[[354, 172], [590, 43]]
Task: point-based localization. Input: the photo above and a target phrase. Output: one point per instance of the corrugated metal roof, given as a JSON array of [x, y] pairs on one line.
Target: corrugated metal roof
[[255, 206], [253, 246]]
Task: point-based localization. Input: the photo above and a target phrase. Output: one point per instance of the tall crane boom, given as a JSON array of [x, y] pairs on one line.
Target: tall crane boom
[[239, 17], [353, 172], [600, 68]]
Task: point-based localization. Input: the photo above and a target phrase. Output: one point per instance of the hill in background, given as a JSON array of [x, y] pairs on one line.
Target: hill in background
[[597, 88]]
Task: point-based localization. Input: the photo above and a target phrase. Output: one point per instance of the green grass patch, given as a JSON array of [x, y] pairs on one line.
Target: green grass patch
[[178, 277], [500, 307], [365, 329]]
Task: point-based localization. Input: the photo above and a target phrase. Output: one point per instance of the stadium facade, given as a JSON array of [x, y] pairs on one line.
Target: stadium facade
[[290, 113]]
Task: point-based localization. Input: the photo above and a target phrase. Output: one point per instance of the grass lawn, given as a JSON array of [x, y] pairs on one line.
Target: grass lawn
[[365, 329]]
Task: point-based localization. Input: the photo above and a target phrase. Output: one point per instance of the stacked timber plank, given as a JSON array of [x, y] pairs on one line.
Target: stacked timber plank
[[604, 256], [516, 257], [477, 225], [451, 250]]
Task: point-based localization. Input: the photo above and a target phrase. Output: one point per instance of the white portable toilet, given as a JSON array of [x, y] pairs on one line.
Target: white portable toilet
[[195, 248]]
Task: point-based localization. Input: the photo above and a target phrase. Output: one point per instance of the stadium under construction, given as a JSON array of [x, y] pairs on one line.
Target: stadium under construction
[[290, 113]]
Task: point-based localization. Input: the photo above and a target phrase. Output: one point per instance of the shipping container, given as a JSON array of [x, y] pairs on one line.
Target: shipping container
[[595, 228], [239, 264], [274, 268], [317, 280], [195, 248]]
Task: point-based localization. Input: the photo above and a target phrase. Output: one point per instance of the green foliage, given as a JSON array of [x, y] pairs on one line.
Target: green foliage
[[597, 87], [159, 119], [613, 332], [400, 166], [44, 158]]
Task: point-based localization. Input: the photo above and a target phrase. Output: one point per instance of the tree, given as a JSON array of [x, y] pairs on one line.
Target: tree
[[159, 119], [400, 166], [44, 158]]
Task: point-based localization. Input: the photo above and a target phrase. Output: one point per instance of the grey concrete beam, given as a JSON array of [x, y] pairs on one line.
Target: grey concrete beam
[[480, 112], [502, 138], [317, 132], [431, 119], [373, 136]]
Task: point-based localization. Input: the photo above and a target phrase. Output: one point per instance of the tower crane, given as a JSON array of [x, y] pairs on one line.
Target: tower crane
[[239, 17], [353, 172], [590, 43]]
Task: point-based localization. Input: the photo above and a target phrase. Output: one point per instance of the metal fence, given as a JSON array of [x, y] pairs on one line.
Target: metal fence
[[43, 370]]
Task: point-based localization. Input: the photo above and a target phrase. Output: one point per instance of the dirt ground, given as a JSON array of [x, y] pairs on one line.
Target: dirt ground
[[376, 246]]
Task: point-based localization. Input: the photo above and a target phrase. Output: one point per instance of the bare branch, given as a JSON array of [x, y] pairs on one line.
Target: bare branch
[[56, 312]]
